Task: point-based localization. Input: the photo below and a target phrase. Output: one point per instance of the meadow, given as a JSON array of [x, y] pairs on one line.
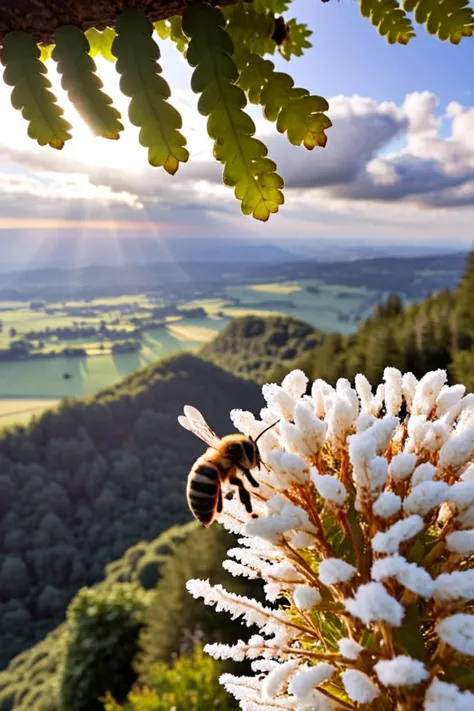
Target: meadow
[[327, 307], [28, 386]]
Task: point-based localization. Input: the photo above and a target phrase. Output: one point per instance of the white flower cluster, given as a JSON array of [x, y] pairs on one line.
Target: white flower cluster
[[363, 524]]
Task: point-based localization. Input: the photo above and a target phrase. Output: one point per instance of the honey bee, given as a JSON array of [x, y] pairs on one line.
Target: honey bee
[[222, 462]]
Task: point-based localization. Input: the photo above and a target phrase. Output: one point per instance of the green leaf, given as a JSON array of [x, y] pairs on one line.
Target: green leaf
[[31, 94], [297, 40], [409, 636], [448, 19], [81, 83], [246, 168], [137, 54], [101, 42], [417, 552], [390, 19], [162, 29], [46, 51], [296, 113], [462, 676], [251, 31], [176, 34]]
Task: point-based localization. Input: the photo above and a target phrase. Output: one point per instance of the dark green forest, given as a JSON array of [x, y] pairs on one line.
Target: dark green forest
[[91, 485], [85, 482], [127, 629], [251, 346]]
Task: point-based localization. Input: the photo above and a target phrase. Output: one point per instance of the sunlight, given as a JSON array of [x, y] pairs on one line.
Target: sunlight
[[124, 154]]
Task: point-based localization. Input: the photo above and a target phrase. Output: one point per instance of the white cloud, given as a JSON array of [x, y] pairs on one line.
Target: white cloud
[[379, 156]]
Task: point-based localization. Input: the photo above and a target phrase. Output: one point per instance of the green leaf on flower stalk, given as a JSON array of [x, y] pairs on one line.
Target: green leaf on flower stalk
[[246, 167], [137, 54], [337, 539], [409, 636], [332, 628], [417, 552], [77, 69], [31, 94], [462, 676]]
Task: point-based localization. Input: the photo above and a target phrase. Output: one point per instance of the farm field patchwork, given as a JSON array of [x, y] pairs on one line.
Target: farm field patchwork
[[327, 307], [28, 386]]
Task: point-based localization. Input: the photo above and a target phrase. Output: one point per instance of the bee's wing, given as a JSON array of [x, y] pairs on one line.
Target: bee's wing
[[193, 421]]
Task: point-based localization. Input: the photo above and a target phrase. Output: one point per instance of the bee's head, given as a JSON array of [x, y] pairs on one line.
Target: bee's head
[[243, 451]]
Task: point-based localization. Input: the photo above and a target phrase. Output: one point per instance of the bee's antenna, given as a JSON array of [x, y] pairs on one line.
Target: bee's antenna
[[266, 430]]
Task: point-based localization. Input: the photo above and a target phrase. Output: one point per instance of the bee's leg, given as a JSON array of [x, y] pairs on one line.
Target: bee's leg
[[219, 501], [244, 495], [250, 478]]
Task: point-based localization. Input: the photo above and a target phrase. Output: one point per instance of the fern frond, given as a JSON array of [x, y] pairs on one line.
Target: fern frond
[[246, 167], [137, 54], [177, 35], [296, 113], [388, 17], [46, 51], [448, 19], [251, 31], [31, 94], [296, 41], [83, 86], [101, 42], [162, 29], [171, 28]]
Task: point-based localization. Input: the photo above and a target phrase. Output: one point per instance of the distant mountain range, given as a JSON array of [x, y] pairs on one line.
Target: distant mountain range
[[413, 277], [124, 250]]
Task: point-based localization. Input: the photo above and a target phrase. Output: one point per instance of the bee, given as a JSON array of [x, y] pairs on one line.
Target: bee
[[222, 462]]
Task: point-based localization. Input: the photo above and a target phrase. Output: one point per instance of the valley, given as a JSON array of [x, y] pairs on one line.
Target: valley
[[70, 333]]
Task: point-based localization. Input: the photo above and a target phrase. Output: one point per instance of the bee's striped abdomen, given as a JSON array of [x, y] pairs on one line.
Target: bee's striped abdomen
[[203, 491]]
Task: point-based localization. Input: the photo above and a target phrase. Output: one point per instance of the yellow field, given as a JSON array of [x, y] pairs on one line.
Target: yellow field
[[192, 333], [276, 288], [19, 411]]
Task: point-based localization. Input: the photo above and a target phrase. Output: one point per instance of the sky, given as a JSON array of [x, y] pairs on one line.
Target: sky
[[398, 167]]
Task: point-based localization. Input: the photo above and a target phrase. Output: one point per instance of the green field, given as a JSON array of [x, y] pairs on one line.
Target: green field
[[43, 378], [28, 386], [332, 308]]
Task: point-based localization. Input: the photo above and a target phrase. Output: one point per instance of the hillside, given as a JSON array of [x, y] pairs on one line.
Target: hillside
[[420, 337], [33, 679], [256, 347], [82, 484], [437, 332]]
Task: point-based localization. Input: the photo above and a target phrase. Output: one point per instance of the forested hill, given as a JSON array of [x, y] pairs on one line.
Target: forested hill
[[85, 482], [257, 348], [437, 332]]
